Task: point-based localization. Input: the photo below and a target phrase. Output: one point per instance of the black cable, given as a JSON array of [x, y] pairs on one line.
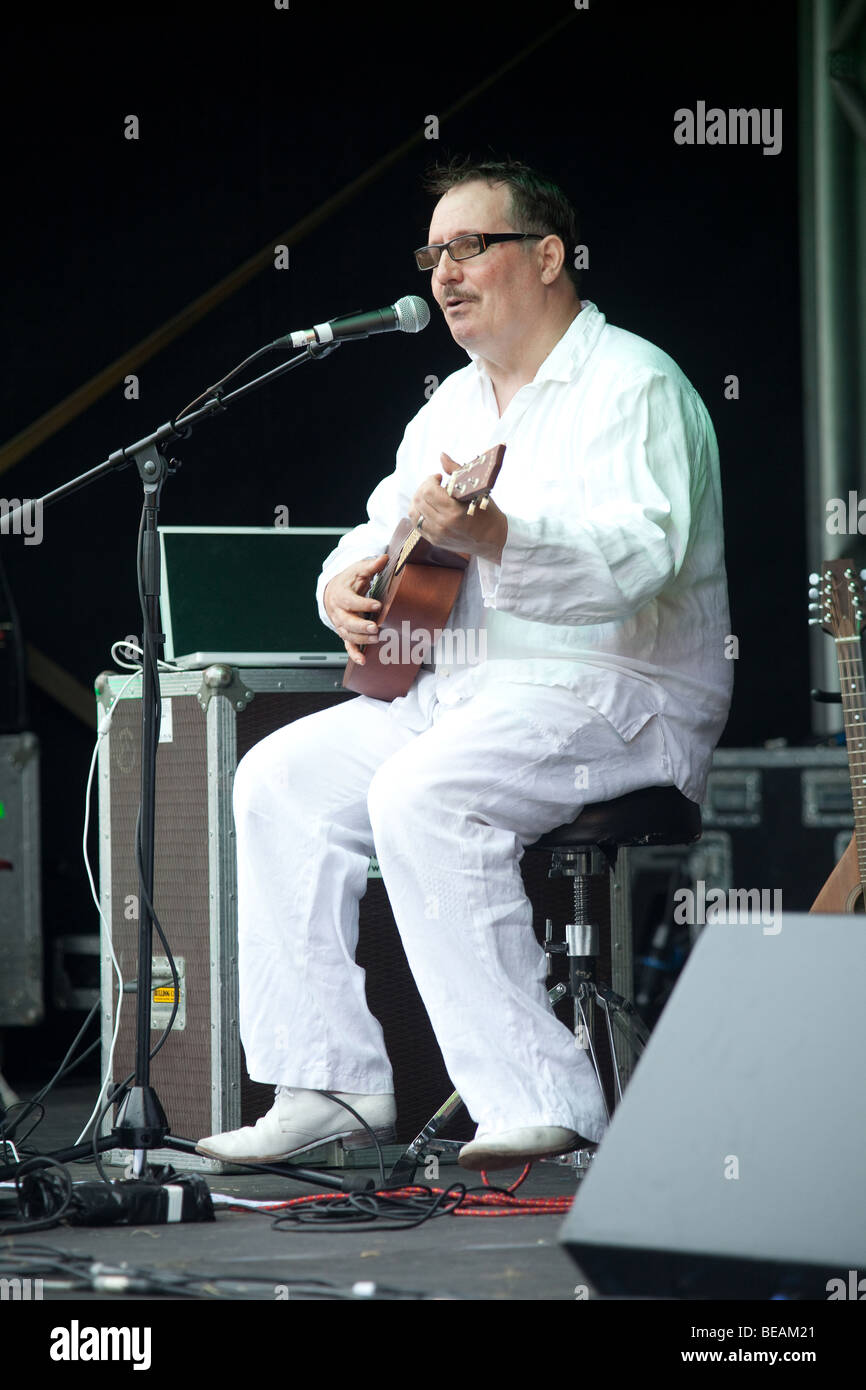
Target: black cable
[[18, 1119], [82, 1272], [216, 389], [61, 1071], [78, 1060], [114, 1096], [363, 1208], [161, 934], [52, 1258], [150, 671], [224, 1286], [363, 1122], [21, 715], [62, 1198]]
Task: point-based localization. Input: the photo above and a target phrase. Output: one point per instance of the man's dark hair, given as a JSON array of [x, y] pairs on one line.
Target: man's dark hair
[[536, 203]]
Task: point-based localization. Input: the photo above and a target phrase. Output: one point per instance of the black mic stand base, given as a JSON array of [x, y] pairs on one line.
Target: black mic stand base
[[141, 1121]]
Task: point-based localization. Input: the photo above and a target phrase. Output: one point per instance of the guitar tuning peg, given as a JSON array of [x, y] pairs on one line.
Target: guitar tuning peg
[[814, 621], [814, 578], [814, 593], [482, 505], [471, 509]]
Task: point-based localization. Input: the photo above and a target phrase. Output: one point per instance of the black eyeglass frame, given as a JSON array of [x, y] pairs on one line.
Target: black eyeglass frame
[[486, 239]]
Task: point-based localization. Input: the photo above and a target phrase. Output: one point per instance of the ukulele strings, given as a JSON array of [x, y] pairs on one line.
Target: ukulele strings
[[381, 581]]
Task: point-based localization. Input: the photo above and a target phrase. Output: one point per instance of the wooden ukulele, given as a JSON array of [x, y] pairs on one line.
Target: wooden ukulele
[[841, 606], [417, 589]]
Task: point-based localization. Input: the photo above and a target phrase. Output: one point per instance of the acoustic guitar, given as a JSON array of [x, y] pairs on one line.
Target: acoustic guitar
[[839, 601], [417, 589]]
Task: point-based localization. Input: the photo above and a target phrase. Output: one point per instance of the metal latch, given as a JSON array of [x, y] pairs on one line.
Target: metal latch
[[224, 680]]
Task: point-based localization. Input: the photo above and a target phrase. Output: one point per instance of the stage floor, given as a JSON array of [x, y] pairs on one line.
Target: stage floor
[[449, 1257], [171, 1317]]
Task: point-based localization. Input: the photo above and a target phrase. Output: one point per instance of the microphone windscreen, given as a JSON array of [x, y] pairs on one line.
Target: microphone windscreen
[[413, 313]]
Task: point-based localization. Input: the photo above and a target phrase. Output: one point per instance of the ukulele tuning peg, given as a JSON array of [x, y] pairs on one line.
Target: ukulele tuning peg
[[482, 505], [471, 509]]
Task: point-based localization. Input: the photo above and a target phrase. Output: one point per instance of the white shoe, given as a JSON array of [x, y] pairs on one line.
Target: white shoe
[[514, 1147], [299, 1120]]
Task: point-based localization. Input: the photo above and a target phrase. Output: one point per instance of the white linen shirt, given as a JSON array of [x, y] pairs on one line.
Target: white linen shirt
[[612, 578]]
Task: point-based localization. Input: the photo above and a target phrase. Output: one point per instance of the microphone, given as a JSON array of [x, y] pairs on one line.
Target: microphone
[[409, 315]]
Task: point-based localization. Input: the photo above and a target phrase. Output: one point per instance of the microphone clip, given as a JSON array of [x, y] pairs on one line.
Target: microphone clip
[[322, 349]]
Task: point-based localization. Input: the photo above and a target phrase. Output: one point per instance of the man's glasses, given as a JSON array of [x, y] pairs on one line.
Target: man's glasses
[[462, 248]]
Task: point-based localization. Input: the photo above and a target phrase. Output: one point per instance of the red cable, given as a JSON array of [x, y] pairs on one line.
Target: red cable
[[473, 1203]]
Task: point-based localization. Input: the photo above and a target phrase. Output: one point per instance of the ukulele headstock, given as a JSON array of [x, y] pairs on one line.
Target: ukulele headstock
[[473, 482], [837, 594]]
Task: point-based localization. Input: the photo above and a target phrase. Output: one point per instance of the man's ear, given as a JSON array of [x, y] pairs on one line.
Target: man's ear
[[553, 258]]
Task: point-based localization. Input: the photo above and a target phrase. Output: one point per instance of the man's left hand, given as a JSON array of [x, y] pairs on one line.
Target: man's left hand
[[447, 522]]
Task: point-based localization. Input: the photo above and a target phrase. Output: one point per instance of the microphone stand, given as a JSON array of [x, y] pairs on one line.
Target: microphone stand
[[141, 1123]]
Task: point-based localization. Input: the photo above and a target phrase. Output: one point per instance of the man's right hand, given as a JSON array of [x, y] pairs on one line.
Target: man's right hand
[[348, 607]]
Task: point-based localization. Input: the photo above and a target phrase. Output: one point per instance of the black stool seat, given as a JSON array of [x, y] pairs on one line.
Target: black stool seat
[[651, 816]]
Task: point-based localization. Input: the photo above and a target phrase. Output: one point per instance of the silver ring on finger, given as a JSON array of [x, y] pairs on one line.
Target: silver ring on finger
[[419, 523]]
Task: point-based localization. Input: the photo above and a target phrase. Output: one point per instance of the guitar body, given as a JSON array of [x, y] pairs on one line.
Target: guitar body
[[843, 891], [418, 589], [417, 602]]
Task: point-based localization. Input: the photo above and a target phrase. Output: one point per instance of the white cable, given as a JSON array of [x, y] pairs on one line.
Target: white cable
[[103, 728], [221, 1199], [128, 645]]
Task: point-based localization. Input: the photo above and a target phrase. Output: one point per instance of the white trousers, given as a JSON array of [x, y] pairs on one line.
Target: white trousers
[[446, 796]]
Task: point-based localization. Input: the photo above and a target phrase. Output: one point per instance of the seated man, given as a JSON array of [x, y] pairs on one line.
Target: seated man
[[596, 593]]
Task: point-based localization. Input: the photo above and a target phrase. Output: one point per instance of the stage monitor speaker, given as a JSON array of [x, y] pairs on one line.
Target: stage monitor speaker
[[735, 1164]]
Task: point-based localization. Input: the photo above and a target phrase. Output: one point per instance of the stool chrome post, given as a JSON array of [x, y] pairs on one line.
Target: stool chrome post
[[582, 946], [581, 938]]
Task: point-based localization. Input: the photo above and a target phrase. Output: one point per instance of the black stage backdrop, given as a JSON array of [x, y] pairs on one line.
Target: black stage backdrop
[[249, 117]]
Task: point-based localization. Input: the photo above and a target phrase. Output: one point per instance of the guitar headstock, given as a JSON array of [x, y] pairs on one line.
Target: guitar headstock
[[838, 595], [473, 482]]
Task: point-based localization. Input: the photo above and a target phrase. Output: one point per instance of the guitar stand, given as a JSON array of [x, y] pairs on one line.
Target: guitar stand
[[593, 1003]]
